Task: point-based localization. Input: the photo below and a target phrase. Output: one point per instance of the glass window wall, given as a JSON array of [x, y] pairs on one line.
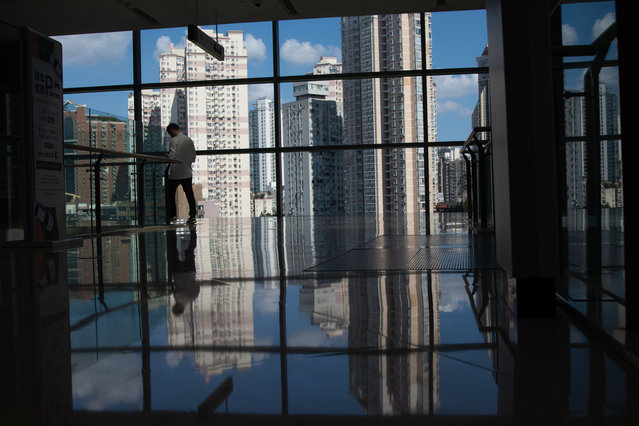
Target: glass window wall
[[101, 59], [262, 121], [457, 38], [590, 156], [113, 186]]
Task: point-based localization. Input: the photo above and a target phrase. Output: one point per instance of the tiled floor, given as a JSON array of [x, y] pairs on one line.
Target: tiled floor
[[162, 322]]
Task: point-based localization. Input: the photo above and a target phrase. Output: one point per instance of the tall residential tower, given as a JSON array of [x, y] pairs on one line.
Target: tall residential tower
[[390, 182], [214, 117], [262, 135]]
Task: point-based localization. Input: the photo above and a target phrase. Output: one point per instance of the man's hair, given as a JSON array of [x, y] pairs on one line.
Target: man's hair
[[172, 126]]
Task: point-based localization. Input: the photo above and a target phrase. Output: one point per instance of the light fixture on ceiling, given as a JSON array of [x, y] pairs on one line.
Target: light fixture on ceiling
[[141, 13], [288, 5], [205, 42], [144, 15]]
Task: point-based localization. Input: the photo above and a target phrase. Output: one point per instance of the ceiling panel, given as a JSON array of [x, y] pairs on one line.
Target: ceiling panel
[[57, 17]]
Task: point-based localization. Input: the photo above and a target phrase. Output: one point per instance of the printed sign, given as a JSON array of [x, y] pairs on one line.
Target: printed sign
[[48, 138]]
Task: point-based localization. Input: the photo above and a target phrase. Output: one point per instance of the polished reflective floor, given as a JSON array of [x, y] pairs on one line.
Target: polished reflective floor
[[232, 322]]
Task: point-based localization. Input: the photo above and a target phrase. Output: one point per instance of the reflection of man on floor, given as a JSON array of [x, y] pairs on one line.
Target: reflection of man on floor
[[181, 258]]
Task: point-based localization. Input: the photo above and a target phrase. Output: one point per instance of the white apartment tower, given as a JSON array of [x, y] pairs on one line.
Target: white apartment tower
[[214, 117], [262, 135], [330, 65]]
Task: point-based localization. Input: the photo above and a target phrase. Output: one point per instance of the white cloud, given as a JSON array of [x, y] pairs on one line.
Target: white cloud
[[309, 337], [255, 48], [452, 106], [259, 357], [257, 91], [305, 53], [610, 76], [173, 358], [602, 24], [110, 381], [267, 301], [163, 45], [568, 35], [453, 298], [92, 49], [455, 86]]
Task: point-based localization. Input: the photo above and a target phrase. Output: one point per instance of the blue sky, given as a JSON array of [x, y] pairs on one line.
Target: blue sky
[[458, 38]]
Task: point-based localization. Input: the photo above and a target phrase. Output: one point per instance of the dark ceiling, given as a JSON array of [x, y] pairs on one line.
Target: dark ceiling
[[57, 17]]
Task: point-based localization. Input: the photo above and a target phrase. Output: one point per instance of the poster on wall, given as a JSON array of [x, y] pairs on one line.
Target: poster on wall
[[48, 179]]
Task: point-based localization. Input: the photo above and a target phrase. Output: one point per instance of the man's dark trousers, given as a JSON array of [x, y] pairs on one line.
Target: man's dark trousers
[[171, 187]]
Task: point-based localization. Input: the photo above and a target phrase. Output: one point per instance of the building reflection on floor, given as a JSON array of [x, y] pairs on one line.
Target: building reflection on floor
[[158, 320]]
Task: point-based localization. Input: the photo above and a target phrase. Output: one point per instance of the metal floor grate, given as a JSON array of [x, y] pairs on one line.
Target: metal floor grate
[[452, 240], [387, 253], [369, 259], [452, 259]]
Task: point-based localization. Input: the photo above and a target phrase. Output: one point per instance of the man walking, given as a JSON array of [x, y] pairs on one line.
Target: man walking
[[181, 148]]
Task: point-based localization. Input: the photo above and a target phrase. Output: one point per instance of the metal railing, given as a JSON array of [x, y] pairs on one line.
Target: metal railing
[[477, 154], [96, 162]]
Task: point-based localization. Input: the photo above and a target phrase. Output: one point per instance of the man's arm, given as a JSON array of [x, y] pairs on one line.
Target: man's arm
[[172, 148], [193, 153]]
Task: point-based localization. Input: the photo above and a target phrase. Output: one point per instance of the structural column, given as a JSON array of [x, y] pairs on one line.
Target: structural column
[[524, 150], [628, 32]]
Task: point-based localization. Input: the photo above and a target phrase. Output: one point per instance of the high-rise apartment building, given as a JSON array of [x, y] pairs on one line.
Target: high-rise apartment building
[[481, 113], [452, 178], [313, 182], [380, 183], [577, 152], [153, 142], [173, 100], [609, 125], [89, 127], [330, 65], [214, 117], [574, 110], [262, 135], [151, 119]]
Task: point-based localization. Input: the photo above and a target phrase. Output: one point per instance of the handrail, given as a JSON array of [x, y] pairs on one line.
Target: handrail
[[473, 135], [477, 178], [112, 153], [102, 153]]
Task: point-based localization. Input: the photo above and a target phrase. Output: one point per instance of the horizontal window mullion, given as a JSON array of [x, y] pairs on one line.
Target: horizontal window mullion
[[324, 148], [281, 79]]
